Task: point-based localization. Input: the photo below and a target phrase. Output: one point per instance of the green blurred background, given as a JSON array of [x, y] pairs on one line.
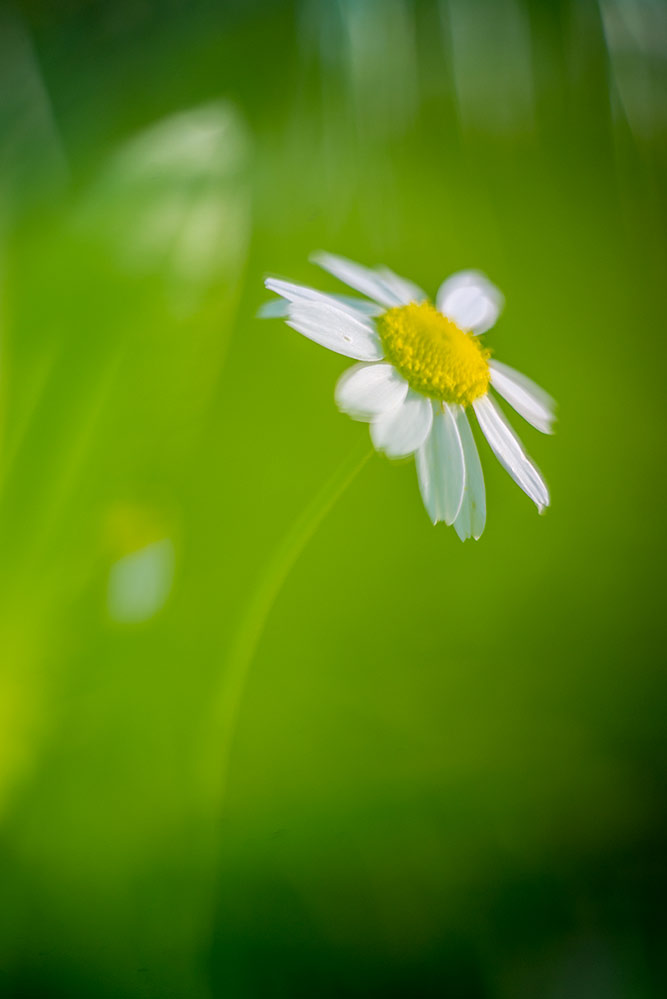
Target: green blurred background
[[351, 757]]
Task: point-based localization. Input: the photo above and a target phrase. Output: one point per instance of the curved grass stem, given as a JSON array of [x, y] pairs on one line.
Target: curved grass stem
[[251, 626]]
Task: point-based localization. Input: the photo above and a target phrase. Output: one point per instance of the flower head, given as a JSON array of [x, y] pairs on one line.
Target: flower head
[[422, 367]]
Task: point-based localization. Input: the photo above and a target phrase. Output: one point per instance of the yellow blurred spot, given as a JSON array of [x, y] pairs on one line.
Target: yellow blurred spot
[[141, 576], [130, 526]]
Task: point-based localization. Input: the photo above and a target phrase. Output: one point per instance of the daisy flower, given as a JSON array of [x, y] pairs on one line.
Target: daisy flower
[[422, 367]]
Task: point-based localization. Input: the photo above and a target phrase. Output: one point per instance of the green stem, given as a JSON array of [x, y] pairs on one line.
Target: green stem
[[253, 621]]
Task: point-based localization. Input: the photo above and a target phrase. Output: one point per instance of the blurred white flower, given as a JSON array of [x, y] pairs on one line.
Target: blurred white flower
[[421, 368], [174, 201], [139, 583]]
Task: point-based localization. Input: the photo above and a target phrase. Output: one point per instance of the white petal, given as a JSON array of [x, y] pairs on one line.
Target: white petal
[[291, 292], [472, 515], [359, 304], [367, 390], [470, 300], [440, 468], [277, 307], [301, 293], [406, 291], [402, 430], [530, 401], [336, 328], [363, 279], [509, 451]]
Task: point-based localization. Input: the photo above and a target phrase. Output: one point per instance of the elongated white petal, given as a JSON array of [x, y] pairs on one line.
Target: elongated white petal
[[291, 292], [359, 304], [440, 467], [301, 293], [530, 401], [405, 290], [472, 515], [276, 308], [470, 300], [509, 451], [368, 390], [295, 292], [402, 430], [363, 279], [336, 328]]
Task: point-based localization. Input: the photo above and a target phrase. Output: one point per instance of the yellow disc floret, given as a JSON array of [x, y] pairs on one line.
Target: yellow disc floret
[[434, 356]]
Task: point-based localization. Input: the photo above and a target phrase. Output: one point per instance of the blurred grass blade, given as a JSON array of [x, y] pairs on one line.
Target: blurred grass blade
[[226, 704]]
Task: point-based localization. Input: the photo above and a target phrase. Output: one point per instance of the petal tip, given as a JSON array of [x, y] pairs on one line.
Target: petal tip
[[318, 257]]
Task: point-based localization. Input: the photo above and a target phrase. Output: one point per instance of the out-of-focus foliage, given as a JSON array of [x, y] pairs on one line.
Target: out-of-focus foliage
[[442, 772]]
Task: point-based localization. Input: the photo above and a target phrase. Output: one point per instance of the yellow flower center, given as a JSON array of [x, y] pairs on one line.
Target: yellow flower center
[[434, 356]]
